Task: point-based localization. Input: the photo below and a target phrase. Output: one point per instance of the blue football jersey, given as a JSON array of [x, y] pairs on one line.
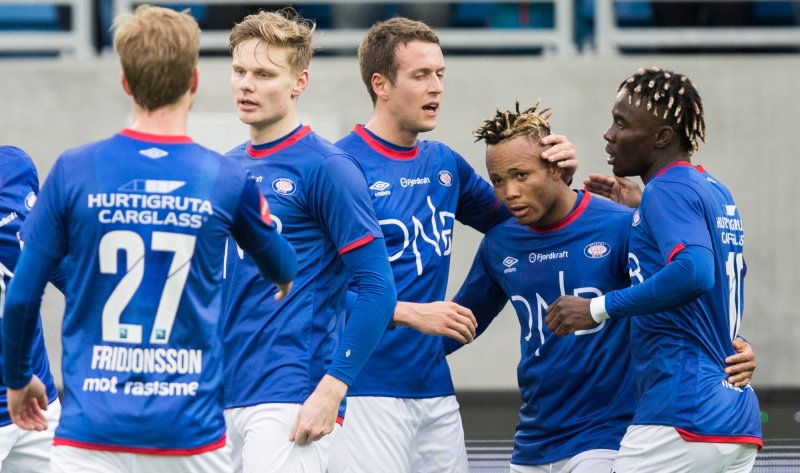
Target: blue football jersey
[[577, 391], [145, 218], [417, 194], [679, 355], [19, 184], [277, 351]]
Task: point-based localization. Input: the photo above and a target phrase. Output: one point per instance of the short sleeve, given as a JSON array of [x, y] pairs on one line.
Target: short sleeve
[[478, 206], [339, 200], [674, 213], [45, 227]]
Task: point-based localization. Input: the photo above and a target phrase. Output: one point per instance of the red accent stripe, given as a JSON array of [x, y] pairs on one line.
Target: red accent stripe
[[165, 139], [143, 450], [568, 219], [678, 248], [264, 208], [691, 437], [289, 141], [340, 420], [357, 244], [670, 166], [383, 149]]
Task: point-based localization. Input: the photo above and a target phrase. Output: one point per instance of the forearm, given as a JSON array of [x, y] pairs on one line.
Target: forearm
[[684, 279], [20, 315], [372, 310]]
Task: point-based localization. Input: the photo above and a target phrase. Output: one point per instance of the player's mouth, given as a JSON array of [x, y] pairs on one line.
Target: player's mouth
[[246, 105], [519, 211], [431, 109], [611, 157]]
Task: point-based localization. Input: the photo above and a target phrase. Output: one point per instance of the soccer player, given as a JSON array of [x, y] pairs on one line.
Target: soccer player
[[686, 302], [143, 217], [289, 363], [22, 450], [402, 411]]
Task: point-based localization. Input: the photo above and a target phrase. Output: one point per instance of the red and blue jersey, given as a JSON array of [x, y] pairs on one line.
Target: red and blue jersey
[[679, 354], [144, 220], [577, 391], [417, 193], [277, 351], [19, 184]]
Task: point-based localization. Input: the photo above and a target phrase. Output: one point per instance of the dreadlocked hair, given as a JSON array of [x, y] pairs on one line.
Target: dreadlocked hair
[[507, 125], [671, 97]]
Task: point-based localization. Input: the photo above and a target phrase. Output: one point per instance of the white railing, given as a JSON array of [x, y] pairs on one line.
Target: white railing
[[557, 40], [77, 42], [609, 37]]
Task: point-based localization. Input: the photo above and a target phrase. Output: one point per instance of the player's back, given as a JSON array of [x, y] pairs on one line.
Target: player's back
[[680, 354], [19, 184], [145, 219]]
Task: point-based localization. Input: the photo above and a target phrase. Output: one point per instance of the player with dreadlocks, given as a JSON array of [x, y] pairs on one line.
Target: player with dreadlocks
[[687, 271], [560, 241]]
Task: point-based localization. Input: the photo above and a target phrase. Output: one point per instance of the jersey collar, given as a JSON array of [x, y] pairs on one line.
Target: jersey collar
[[571, 217], [262, 151], [384, 147], [151, 138]]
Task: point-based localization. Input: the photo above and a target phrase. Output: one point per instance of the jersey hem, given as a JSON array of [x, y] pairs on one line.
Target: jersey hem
[[60, 441], [693, 437]]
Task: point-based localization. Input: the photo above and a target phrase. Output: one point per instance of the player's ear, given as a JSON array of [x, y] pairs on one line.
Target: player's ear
[[380, 85], [195, 80], [556, 172], [664, 136], [300, 83], [125, 86]]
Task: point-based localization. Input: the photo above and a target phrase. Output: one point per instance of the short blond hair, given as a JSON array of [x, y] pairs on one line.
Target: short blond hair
[[379, 47], [159, 49], [283, 28]]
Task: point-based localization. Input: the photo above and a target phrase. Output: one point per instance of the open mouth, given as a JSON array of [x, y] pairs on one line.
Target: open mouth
[[431, 107]]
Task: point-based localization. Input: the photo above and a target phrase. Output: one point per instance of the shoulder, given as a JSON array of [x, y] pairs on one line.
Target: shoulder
[[237, 152], [609, 207], [508, 228], [12, 153]]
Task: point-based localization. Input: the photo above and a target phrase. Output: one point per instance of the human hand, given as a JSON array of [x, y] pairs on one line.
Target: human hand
[[438, 318], [562, 153], [25, 405], [283, 290], [317, 417], [568, 314], [741, 365], [618, 189]]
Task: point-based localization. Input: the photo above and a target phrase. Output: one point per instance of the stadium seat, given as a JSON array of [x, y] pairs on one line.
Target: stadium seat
[[30, 17]]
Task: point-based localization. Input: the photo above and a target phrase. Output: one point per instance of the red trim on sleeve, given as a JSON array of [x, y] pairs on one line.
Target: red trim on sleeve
[[678, 248], [382, 148], [285, 143], [149, 137], [340, 420], [568, 219], [691, 437], [142, 450], [357, 244], [265, 215]]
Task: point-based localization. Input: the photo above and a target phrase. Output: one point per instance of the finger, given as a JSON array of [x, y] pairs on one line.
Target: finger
[[553, 139], [740, 368], [42, 400], [463, 311], [465, 331], [280, 295], [741, 379], [559, 154], [302, 437], [296, 425]]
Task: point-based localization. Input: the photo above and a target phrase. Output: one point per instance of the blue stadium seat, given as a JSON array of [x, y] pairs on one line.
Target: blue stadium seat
[[775, 13], [29, 17]]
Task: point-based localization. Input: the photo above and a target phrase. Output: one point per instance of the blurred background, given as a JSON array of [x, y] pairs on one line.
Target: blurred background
[[59, 88]]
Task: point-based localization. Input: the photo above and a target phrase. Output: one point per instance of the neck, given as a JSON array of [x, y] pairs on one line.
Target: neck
[[561, 208], [169, 120], [388, 128], [663, 161], [274, 131]]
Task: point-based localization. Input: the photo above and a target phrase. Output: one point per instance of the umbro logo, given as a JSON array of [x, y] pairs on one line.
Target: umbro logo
[[730, 210], [153, 153], [509, 263], [380, 188]]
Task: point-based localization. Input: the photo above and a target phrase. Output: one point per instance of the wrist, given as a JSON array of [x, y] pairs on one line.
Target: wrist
[[332, 386], [597, 306], [404, 314]]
